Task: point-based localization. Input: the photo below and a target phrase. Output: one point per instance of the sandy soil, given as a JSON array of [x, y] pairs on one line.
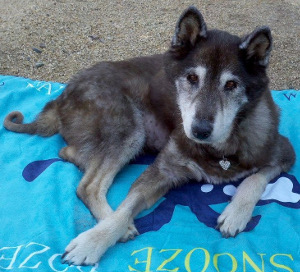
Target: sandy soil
[[52, 40]]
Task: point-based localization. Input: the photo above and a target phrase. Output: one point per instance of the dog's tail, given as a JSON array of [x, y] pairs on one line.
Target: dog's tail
[[46, 123]]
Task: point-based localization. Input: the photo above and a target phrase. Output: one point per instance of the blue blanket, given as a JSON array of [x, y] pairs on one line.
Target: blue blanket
[[40, 212]]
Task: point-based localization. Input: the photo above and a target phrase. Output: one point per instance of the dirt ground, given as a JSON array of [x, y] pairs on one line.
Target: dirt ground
[[51, 40]]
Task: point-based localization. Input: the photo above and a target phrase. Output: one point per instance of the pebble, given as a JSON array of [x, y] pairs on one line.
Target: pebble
[[96, 38], [39, 64], [36, 50], [42, 45]]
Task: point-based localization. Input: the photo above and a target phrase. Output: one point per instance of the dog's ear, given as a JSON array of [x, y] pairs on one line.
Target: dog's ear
[[257, 46], [190, 27]]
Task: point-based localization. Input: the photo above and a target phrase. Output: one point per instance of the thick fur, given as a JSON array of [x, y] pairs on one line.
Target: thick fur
[[205, 100]]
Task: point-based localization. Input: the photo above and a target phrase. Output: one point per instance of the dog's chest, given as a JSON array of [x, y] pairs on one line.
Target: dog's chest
[[157, 134], [213, 172]]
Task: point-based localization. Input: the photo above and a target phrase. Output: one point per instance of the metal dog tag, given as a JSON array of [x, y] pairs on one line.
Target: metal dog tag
[[225, 164]]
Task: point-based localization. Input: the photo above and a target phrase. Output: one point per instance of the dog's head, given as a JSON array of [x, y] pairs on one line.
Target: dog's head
[[218, 76]]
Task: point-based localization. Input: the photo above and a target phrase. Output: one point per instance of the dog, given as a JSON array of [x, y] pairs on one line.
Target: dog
[[204, 106]]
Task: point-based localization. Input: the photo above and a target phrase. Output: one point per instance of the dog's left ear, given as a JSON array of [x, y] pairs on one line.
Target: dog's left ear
[[257, 46], [190, 27]]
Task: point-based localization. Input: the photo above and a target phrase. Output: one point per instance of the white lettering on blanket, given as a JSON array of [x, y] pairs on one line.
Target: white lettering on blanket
[[46, 86], [200, 259], [16, 258]]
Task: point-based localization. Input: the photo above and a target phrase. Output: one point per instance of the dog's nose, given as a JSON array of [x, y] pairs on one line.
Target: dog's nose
[[201, 129]]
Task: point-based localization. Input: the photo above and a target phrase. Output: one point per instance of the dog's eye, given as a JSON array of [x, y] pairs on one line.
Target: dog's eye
[[192, 78], [230, 85]]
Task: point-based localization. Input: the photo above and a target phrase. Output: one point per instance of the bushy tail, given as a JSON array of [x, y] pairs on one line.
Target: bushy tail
[[46, 124]]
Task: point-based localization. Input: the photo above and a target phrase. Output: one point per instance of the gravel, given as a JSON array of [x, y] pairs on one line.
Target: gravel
[[51, 40]]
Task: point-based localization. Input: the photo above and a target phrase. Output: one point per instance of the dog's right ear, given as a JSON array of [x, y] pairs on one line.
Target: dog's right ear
[[190, 27]]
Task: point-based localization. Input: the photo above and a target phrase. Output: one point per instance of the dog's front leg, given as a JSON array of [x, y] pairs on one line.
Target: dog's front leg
[[238, 213], [89, 246]]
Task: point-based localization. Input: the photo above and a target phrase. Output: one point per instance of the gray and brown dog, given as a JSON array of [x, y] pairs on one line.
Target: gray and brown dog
[[204, 105]]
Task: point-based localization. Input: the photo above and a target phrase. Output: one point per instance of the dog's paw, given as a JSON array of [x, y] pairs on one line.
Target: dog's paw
[[233, 220], [130, 234], [86, 249]]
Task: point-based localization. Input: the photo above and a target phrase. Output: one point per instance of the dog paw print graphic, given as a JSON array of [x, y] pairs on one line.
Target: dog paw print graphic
[[283, 190]]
